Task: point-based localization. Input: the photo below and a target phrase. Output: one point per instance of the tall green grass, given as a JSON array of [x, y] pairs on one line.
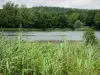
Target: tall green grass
[[35, 58]]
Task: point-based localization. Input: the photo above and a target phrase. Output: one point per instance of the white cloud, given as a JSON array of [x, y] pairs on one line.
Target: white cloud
[[56, 3], [89, 4]]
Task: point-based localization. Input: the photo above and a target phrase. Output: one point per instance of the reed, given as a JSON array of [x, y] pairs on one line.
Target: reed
[[35, 58]]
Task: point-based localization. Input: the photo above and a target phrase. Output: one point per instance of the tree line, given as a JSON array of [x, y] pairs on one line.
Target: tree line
[[13, 16]]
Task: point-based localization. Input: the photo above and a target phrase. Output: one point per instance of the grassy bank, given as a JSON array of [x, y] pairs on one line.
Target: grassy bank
[[17, 29], [35, 58], [47, 29], [35, 29]]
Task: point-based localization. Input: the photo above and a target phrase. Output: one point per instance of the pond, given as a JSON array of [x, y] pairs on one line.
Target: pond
[[47, 36]]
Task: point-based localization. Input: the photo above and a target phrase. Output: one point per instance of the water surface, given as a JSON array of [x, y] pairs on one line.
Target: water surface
[[47, 36]]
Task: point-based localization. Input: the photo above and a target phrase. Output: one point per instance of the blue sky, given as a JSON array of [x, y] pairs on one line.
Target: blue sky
[[82, 4]]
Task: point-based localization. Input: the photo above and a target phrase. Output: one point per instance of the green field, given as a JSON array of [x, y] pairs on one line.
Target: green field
[[48, 58]]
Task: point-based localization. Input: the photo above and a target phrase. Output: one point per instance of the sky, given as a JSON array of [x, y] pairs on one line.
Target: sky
[[81, 4]]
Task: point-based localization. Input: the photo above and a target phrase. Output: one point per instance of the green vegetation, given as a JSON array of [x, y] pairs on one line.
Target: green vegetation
[[35, 58], [89, 37], [37, 29], [23, 29], [15, 16], [78, 24], [19, 57]]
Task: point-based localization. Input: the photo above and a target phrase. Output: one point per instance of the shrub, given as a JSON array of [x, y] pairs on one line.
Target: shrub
[[78, 24], [89, 37]]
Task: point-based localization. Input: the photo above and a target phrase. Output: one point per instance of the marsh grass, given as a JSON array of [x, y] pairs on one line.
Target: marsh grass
[[35, 58]]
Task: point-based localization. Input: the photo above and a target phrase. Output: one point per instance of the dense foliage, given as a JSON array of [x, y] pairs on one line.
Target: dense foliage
[[34, 58], [14, 16], [89, 37]]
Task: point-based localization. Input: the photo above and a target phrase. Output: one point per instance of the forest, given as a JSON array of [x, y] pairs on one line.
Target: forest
[[15, 16]]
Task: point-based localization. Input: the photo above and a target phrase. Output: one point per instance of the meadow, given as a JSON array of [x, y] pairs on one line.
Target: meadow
[[48, 58]]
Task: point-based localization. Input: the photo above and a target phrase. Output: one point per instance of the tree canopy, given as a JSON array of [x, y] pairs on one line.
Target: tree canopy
[[12, 15]]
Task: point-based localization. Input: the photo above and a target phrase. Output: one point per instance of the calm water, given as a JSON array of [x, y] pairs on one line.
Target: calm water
[[47, 36]]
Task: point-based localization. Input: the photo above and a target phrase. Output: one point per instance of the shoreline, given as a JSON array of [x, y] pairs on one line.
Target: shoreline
[[37, 29]]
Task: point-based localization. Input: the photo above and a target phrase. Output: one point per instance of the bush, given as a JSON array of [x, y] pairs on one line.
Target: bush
[[89, 37], [78, 24]]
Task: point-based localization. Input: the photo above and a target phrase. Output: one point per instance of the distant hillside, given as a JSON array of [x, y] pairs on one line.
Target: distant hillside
[[13, 16]]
